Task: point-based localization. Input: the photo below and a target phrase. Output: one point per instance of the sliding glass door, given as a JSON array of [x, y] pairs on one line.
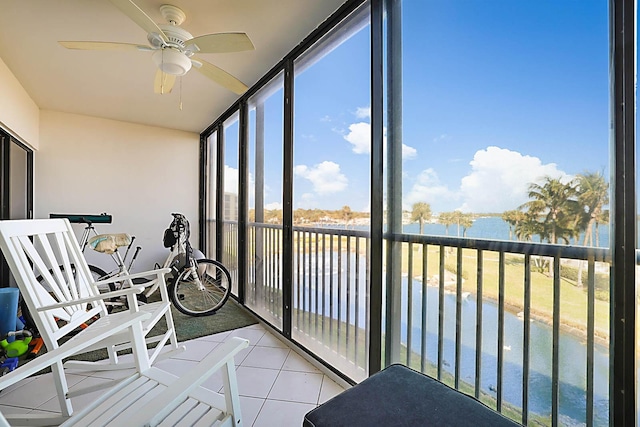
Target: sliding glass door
[[16, 186]]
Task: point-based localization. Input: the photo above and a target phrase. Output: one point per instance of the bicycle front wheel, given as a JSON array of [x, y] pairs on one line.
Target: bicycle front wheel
[[202, 295]]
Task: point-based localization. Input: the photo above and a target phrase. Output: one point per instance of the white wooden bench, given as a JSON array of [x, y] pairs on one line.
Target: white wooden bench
[[150, 397]]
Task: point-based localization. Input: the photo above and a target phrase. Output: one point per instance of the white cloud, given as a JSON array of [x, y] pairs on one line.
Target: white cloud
[[408, 152], [231, 185], [363, 112], [273, 206], [230, 180], [499, 179], [428, 188], [305, 201], [443, 137], [359, 137], [325, 177]]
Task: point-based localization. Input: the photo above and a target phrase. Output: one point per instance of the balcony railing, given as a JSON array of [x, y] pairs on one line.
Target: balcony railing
[[509, 323]]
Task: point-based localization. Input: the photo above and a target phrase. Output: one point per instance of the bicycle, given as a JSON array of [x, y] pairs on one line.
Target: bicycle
[[196, 287]]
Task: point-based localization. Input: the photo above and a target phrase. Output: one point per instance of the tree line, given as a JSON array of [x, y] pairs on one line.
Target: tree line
[[421, 213], [315, 216]]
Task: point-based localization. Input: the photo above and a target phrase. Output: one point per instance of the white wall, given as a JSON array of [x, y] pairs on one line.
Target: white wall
[[18, 113], [139, 174]]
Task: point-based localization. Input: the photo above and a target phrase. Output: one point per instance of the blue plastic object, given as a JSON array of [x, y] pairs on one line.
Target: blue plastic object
[[11, 363], [8, 310]]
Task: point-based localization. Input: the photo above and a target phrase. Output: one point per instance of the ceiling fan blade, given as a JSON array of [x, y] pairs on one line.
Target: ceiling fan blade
[[163, 83], [220, 76], [102, 46], [221, 43], [138, 16]]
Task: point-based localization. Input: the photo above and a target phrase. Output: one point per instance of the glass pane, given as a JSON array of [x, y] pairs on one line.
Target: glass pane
[[505, 136], [264, 290], [18, 182], [212, 183], [230, 202], [331, 184]]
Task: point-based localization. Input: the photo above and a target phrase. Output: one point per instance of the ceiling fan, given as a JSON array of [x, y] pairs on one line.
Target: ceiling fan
[[174, 49]]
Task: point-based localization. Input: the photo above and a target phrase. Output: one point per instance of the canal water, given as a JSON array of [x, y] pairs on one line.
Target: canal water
[[572, 350], [572, 356]]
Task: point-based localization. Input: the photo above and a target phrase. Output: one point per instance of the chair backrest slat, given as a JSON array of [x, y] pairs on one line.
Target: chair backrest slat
[[49, 267], [43, 293]]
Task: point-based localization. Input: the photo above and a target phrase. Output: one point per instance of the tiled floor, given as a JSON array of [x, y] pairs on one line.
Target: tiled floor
[[277, 386]]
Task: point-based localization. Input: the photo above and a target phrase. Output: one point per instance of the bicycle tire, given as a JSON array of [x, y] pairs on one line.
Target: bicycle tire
[[96, 272], [190, 300], [99, 274]]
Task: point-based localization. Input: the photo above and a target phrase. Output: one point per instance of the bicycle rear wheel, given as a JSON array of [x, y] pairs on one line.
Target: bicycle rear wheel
[[194, 300]]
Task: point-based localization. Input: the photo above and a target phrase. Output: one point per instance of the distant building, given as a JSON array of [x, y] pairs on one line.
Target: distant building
[[230, 207]]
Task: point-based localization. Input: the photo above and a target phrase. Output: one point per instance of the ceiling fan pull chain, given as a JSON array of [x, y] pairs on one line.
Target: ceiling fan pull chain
[[162, 79], [180, 93]]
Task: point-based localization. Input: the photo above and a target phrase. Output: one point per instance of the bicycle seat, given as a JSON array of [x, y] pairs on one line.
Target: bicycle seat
[[109, 243]]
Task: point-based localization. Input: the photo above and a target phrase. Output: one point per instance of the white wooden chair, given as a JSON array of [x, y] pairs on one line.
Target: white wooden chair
[[149, 397], [66, 298]]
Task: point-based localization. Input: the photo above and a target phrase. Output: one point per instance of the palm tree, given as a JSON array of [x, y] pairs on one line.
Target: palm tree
[[528, 227], [513, 218], [555, 202], [593, 195], [421, 212], [525, 229], [555, 207], [463, 220], [466, 221], [446, 219]]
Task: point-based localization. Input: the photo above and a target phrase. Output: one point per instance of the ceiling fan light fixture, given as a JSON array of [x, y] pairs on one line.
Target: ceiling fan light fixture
[[171, 61]]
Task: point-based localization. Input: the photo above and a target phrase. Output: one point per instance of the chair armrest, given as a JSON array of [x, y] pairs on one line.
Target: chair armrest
[[120, 278], [164, 403], [107, 295], [84, 339]]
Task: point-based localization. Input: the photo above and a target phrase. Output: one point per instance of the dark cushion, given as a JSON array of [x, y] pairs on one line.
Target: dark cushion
[[399, 396]]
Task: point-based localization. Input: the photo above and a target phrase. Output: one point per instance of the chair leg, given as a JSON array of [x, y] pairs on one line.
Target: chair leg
[[231, 396], [61, 389], [113, 355], [164, 293], [139, 348]]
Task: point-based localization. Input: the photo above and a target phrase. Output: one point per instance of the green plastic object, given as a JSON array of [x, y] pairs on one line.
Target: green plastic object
[[18, 347]]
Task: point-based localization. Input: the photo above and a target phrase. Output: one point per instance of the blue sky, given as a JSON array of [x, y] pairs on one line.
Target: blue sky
[[496, 95]]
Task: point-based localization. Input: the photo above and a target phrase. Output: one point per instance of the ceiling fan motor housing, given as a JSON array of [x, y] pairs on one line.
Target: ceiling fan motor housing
[[172, 61], [172, 57]]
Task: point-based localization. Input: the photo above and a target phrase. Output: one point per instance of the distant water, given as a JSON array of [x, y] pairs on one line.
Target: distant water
[[492, 227], [488, 227]]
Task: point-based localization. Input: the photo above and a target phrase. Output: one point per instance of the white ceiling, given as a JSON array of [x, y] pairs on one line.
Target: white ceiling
[[119, 84]]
